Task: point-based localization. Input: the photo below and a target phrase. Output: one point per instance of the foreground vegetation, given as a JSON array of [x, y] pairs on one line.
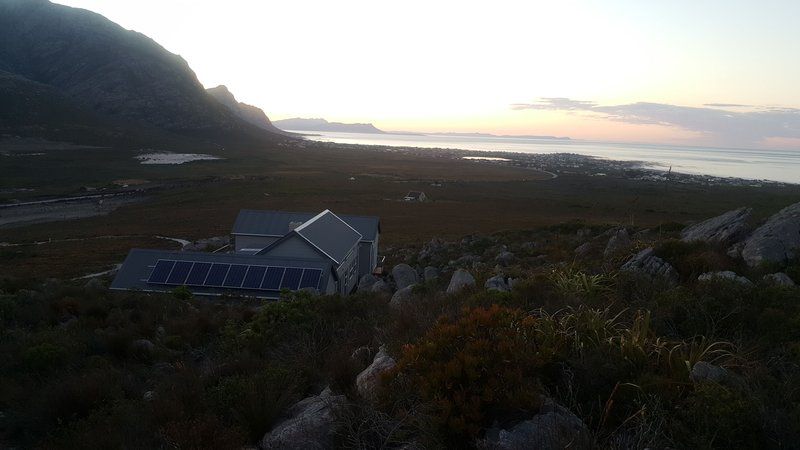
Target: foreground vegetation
[[84, 367]]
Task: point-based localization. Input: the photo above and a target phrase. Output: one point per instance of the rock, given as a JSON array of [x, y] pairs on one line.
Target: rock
[[142, 347], [362, 355], [404, 276], [529, 246], [552, 428], [780, 279], [497, 283], [703, 371], [402, 297], [368, 381], [724, 229], [461, 279], [465, 261], [735, 250], [617, 243], [725, 275], [646, 262], [366, 281], [95, 284], [430, 273], [504, 258], [309, 425], [777, 240], [149, 396], [431, 249], [381, 287], [583, 249]]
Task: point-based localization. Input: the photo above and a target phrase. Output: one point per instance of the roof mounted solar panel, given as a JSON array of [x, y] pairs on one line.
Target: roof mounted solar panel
[[254, 276], [198, 274], [235, 276], [179, 272], [272, 279], [291, 279], [310, 278], [217, 275], [161, 271]]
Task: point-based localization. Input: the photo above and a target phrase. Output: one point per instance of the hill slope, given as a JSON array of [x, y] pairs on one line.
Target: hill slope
[[249, 113], [112, 72]]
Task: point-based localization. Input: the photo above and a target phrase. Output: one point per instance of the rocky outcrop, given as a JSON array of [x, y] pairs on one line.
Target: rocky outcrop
[[461, 279], [780, 279], [309, 425], [619, 242], [497, 283], [404, 276], [776, 241], [647, 263], [725, 275], [366, 282], [584, 249], [553, 428], [381, 287], [368, 381], [724, 229]]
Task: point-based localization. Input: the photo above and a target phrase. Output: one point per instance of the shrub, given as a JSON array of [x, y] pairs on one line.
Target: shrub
[[482, 366], [44, 356], [182, 293]]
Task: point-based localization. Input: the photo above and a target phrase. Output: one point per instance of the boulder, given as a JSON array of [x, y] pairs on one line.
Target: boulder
[[776, 241], [432, 249], [465, 261], [504, 258], [724, 229], [583, 249], [381, 287], [366, 281], [404, 276], [497, 283], [725, 275], [780, 279], [142, 347], [430, 273], [461, 279], [369, 380], [362, 355], [552, 428], [647, 263], [309, 425], [617, 243], [402, 297], [704, 371]]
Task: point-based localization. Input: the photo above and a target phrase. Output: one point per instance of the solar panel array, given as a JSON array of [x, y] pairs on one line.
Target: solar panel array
[[237, 276]]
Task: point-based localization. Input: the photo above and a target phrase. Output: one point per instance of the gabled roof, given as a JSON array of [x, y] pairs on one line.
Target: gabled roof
[[327, 233], [139, 264], [279, 223]]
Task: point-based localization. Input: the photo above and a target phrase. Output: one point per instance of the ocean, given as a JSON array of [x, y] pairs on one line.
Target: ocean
[[773, 165]]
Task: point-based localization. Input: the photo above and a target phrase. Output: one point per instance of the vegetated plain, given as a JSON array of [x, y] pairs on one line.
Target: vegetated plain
[[201, 199]]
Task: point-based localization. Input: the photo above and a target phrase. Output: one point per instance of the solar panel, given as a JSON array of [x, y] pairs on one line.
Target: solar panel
[[179, 272], [272, 280], [161, 271], [310, 278], [254, 276], [291, 279], [198, 274], [216, 275], [235, 275]]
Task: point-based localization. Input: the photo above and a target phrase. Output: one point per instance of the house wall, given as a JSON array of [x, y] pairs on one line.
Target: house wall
[[348, 271], [367, 257], [241, 242], [295, 247]]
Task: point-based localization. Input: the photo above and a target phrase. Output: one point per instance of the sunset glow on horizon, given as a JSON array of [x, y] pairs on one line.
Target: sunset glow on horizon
[[722, 73]]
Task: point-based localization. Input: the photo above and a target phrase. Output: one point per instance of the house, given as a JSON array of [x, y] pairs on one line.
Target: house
[[415, 196], [255, 230], [272, 251]]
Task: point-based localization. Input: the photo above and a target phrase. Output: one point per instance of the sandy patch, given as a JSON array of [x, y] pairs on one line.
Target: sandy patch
[[167, 158]]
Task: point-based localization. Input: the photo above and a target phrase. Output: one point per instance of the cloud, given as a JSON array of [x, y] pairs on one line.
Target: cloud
[[729, 127]]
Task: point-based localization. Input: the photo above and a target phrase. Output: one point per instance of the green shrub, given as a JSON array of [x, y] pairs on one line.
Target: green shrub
[[44, 357]]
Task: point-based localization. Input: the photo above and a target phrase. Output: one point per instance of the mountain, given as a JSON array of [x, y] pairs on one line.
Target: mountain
[[87, 63], [249, 113], [298, 124]]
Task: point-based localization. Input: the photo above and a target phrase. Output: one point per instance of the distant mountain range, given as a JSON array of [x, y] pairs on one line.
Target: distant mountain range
[[522, 136], [298, 124], [69, 73]]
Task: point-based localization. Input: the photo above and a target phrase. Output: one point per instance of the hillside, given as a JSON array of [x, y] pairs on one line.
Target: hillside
[[299, 124], [91, 64], [249, 113]]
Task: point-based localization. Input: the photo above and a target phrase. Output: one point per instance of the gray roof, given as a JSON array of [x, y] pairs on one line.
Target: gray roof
[[327, 233], [278, 223], [136, 269]]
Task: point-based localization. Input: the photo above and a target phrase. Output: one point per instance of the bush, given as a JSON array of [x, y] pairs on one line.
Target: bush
[[44, 357], [481, 367]]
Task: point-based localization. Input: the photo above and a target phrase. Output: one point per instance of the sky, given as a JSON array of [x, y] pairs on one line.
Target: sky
[[699, 72]]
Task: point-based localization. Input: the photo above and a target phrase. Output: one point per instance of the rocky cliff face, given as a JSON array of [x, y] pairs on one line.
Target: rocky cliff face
[[249, 113], [110, 71]]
